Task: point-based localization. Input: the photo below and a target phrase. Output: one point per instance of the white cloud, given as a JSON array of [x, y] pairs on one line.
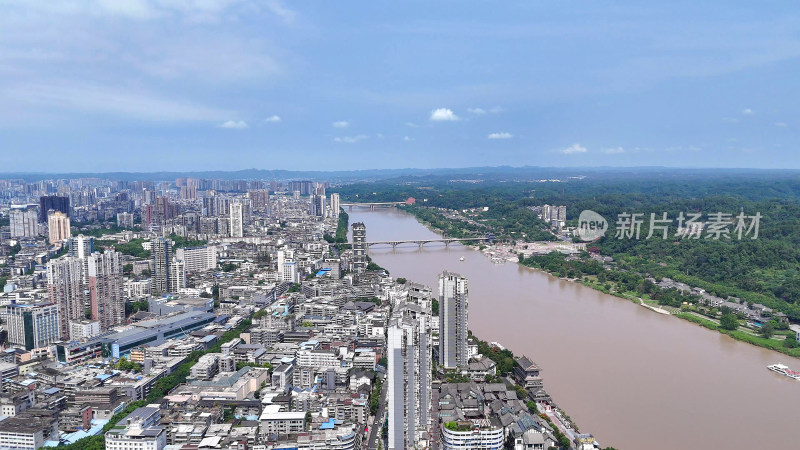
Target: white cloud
[[476, 111], [279, 9], [412, 125], [273, 119], [350, 139], [574, 148], [234, 125], [340, 124], [407, 139], [747, 112], [781, 124], [443, 115], [614, 151], [501, 135], [496, 109], [730, 119]]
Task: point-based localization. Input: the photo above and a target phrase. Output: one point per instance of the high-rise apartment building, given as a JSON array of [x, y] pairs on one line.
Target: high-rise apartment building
[[359, 247], [106, 288], [58, 226], [408, 376], [335, 205], [80, 246], [162, 257], [65, 287], [125, 220], [54, 203], [317, 205], [177, 275], [24, 222], [198, 259], [237, 219], [453, 323], [33, 326]]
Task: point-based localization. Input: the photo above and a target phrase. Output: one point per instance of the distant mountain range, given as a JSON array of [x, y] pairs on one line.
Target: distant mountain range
[[465, 173]]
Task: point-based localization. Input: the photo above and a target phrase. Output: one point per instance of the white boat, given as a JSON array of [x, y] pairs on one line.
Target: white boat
[[784, 370], [461, 259]]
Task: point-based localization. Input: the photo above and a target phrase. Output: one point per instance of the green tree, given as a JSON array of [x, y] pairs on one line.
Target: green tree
[[767, 330], [729, 321]]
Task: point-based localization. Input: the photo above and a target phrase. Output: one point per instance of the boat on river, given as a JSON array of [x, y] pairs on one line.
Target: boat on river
[[784, 370]]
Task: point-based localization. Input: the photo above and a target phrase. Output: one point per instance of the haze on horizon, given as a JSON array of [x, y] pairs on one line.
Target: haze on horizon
[[152, 85]]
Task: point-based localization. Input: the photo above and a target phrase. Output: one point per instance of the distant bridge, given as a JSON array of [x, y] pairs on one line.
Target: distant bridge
[[422, 242], [371, 205]]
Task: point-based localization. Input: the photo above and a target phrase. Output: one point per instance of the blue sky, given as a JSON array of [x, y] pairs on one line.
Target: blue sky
[[145, 85]]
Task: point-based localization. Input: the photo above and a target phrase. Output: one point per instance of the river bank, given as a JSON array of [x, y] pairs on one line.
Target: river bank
[[628, 376], [499, 252]]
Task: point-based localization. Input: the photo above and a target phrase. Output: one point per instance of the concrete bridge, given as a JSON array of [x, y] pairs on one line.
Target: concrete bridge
[[371, 205], [422, 242]]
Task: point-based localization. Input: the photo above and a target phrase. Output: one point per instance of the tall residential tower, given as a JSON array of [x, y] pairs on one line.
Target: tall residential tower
[[453, 324]]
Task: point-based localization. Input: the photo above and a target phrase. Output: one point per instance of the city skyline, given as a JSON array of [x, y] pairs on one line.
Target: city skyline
[[233, 85]]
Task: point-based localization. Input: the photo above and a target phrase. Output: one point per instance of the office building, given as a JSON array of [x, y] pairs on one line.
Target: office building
[[23, 222], [162, 257], [198, 259], [58, 226], [65, 287], [106, 288], [359, 248], [289, 272], [409, 377], [33, 326], [453, 324], [52, 203]]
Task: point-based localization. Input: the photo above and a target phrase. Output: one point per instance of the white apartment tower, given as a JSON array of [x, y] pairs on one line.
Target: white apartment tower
[[198, 259], [453, 324], [359, 247], [335, 205], [177, 275], [408, 376], [24, 222], [237, 219]]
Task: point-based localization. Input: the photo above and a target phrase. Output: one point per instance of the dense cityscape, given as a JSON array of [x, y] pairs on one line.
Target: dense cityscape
[[448, 225], [201, 313]]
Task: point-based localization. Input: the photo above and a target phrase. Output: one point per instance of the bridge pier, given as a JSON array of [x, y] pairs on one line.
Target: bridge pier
[[446, 244]]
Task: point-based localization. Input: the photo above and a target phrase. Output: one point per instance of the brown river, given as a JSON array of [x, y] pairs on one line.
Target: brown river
[[634, 378]]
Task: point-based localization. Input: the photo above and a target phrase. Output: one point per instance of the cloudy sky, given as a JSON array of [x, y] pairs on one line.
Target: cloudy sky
[[226, 84]]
